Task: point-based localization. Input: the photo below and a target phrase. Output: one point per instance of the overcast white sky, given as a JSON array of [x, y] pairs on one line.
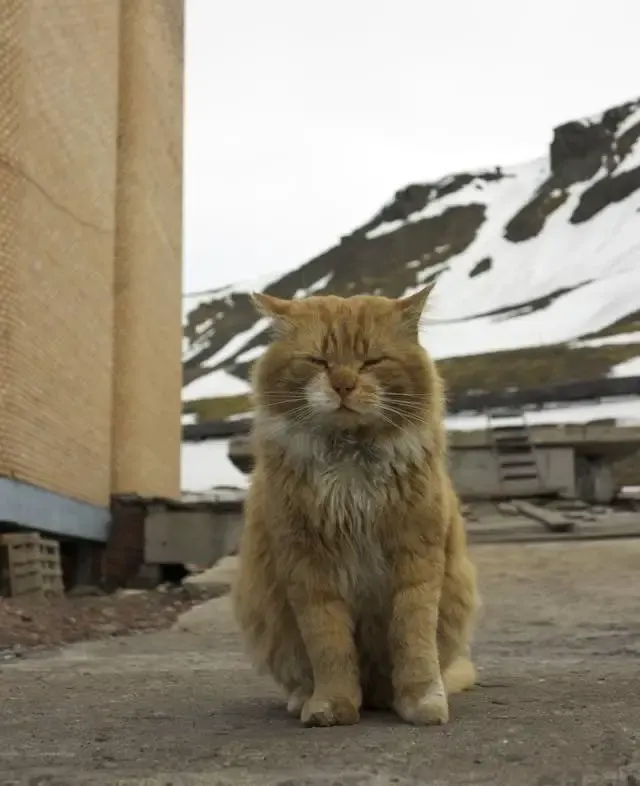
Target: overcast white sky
[[303, 118]]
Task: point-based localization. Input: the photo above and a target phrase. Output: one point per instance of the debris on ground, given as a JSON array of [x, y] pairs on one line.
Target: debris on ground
[[28, 623], [86, 612]]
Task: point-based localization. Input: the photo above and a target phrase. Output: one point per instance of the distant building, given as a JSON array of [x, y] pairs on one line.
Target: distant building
[[90, 258]]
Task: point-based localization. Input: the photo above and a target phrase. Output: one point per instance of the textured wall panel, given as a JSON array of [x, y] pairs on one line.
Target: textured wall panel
[[13, 19], [58, 148], [90, 245], [146, 428]]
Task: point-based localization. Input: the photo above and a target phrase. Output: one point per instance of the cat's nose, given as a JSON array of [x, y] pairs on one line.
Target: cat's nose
[[343, 381], [343, 388]]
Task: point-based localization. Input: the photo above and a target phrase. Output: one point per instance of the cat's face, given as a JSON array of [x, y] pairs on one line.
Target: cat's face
[[345, 363]]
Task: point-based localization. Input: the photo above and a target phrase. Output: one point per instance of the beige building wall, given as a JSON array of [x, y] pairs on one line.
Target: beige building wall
[[90, 338], [58, 70], [148, 285]]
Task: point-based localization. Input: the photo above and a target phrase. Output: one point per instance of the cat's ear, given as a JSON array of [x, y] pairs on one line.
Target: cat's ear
[[270, 306], [274, 308], [412, 307]]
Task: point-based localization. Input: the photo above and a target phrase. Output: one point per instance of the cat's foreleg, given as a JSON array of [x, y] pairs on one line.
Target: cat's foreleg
[[327, 630], [459, 605], [419, 692]]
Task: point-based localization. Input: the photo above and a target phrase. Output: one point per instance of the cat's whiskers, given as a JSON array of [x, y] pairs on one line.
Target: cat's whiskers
[[403, 396], [409, 432], [299, 414], [404, 406], [295, 417], [411, 415], [402, 428], [284, 397]]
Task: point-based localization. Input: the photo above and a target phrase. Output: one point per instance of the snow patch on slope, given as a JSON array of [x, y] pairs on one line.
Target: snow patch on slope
[[588, 272], [629, 368], [192, 300], [217, 384], [625, 412], [320, 284], [237, 343]]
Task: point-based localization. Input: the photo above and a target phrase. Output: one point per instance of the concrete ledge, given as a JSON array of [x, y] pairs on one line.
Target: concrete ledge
[[29, 506]]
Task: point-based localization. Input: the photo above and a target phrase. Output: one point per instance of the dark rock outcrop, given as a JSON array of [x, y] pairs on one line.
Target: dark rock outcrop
[[481, 267]]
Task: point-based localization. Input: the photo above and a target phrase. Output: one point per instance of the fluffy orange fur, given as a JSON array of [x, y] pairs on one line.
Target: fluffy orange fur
[[355, 587]]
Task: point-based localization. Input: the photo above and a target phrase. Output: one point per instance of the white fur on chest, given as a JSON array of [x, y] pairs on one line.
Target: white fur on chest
[[347, 495], [353, 486]]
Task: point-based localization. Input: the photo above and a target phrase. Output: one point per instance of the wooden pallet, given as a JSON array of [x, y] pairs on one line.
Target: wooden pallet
[[29, 565], [51, 567]]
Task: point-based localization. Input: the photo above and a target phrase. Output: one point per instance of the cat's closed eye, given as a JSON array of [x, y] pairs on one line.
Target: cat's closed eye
[[373, 361], [316, 361]]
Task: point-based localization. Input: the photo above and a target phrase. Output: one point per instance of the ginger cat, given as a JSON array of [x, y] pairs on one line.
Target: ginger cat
[[354, 587]]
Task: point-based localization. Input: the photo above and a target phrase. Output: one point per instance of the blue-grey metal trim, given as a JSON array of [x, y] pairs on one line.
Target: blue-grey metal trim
[[36, 508]]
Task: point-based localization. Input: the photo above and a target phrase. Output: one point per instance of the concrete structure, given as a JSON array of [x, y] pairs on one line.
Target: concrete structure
[[197, 532], [148, 535], [574, 459], [90, 258]]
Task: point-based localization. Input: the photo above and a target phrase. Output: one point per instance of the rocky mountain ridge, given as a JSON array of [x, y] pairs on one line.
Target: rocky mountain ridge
[[537, 268]]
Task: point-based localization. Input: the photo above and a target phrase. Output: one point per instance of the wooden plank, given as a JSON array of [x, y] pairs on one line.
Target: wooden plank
[[539, 535], [517, 529], [512, 490], [553, 520]]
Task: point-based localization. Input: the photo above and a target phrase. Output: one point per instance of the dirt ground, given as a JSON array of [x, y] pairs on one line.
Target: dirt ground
[[558, 652], [28, 624]]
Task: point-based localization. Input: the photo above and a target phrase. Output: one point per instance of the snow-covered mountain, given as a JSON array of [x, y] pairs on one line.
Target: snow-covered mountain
[[537, 269]]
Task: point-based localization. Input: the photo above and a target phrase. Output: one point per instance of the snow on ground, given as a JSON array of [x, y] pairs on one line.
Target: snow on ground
[[630, 368], [214, 385], [625, 412], [206, 464]]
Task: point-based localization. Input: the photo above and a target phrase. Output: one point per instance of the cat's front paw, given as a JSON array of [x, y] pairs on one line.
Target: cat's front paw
[[296, 701], [426, 707], [320, 711]]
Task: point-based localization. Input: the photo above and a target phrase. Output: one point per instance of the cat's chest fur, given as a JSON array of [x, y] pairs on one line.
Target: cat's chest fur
[[350, 500], [351, 482], [349, 490]]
